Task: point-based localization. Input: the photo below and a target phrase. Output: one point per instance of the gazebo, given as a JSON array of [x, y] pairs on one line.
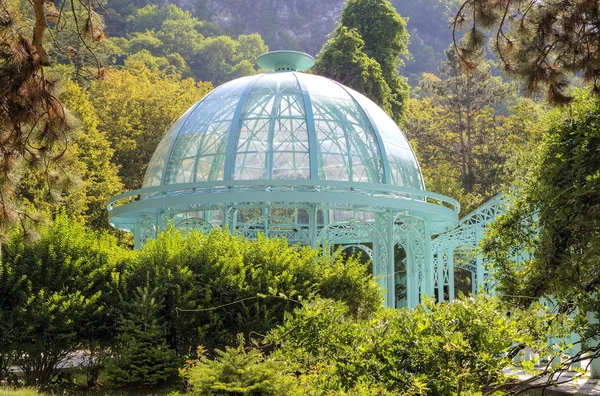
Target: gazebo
[[295, 155]]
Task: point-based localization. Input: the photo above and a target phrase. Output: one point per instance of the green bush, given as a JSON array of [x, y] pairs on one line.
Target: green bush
[[436, 349], [58, 294], [218, 285], [235, 371]]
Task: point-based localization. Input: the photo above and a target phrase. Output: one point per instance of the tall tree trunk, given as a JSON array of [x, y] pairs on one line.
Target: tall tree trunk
[[43, 59]]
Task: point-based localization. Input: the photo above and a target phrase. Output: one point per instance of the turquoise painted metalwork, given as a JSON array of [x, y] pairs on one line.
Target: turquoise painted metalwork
[[299, 156]]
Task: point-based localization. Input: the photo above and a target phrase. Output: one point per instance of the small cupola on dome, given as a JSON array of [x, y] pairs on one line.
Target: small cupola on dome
[[285, 61], [298, 156]]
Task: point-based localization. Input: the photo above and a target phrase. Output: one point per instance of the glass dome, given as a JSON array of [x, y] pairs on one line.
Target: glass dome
[[284, 125]]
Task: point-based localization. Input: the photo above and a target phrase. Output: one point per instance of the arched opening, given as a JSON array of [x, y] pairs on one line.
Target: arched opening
[[400, 277], [463, 282], [363, 252]]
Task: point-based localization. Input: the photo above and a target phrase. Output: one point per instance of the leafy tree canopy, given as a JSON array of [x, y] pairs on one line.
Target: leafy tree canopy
[[464, 128], [546, 245], [195, 48], [364, 53]]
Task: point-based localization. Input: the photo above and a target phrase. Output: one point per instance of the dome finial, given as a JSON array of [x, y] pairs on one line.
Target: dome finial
[[285, 61]]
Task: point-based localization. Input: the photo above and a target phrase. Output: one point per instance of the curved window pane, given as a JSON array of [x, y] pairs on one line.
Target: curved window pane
[[404, 168]]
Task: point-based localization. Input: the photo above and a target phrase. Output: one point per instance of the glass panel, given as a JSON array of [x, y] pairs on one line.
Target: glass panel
[[199, 151], [156, 166], [235, 87], [273, 136], [322, 86], [367, 164], [400, 276], [348, 149], [334, 159], [337, 215], [404, 167]]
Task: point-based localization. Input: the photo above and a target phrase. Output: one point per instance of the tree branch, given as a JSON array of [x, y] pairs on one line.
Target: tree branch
[[38, 33]]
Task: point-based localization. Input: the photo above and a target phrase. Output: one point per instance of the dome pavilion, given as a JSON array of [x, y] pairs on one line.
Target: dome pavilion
[[295, 155]]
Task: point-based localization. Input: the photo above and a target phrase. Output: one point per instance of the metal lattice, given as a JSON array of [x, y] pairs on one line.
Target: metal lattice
[[459, 248]]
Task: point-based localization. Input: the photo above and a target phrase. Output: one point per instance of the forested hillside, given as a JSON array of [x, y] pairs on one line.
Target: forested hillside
[[303, 24]]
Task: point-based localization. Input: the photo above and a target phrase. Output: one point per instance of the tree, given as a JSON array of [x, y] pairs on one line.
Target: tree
[[142, 355], [100, 175], [221, 59], [235, 371], [168, 32], [539, 42], [370, 33], [460, 137], [546, 245], [364, 75], [135, 107], [35, 127], [89, 157]]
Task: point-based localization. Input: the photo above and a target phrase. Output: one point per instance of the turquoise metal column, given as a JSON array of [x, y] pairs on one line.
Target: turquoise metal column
[[450, 253], [312, 225], [412, 279], [381, 266], [391, 261], [480, 273], [438, 261], [429, 275]]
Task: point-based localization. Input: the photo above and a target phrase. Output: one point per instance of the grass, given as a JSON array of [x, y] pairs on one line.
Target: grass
[[5, 391], [8, 391]]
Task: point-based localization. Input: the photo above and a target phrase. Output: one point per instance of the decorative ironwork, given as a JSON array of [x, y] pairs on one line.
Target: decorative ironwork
[[297, 156], [147, 227], [195, 223], [460, 248], [274, 227]]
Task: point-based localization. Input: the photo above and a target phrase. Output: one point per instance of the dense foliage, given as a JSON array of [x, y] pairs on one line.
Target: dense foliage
[[261, 280], [76, 289], [57, 295], [547, 243], [188, 45], [460, 347], [437, 349], [364, 52]]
